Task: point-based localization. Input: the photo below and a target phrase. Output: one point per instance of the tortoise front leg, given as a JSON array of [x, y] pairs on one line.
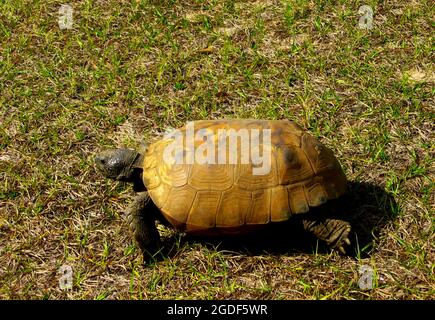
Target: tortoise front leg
[[333, 231], [142, 223]]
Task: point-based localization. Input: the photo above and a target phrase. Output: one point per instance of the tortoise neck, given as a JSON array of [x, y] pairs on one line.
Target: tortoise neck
[[136, 173], [133, 170], [138, 161]]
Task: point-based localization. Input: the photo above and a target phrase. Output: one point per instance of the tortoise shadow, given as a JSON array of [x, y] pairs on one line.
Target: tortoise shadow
[[367, 207]]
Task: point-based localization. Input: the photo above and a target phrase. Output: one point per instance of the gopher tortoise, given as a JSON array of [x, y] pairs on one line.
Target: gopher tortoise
[[228, 196]]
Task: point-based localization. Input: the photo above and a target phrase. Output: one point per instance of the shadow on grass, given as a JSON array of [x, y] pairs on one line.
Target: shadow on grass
[[367, 207]]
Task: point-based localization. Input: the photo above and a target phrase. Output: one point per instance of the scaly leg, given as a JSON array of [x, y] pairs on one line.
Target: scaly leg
[[142, 224], [333, 231]]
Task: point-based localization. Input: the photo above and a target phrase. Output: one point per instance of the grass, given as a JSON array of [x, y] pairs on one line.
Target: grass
[[128, 70]]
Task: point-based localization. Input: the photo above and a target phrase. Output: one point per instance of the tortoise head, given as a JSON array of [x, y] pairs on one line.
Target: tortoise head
[[120, 164]]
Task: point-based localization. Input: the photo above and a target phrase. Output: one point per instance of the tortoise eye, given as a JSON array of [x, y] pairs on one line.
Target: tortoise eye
[[101, 160]]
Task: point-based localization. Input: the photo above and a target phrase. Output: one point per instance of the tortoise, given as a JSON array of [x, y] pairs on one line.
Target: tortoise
[[227, 198]]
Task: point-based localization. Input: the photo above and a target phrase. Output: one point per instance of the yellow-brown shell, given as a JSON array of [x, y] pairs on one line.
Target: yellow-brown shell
[[204, 198]]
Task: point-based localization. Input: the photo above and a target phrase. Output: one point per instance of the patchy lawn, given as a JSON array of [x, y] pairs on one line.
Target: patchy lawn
[[127, 70]]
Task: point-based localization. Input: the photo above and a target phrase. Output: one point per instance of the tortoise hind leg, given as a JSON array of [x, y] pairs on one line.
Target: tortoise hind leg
[[142, 223], [333, 231]]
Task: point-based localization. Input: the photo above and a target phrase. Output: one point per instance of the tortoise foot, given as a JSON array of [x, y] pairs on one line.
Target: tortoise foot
[[333, 231]]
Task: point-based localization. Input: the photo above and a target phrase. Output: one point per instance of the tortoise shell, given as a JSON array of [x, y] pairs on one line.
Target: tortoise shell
[[208, 198]]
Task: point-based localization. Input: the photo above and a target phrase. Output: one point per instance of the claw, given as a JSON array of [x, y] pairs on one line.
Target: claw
[[347, 241], [341, 249]]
